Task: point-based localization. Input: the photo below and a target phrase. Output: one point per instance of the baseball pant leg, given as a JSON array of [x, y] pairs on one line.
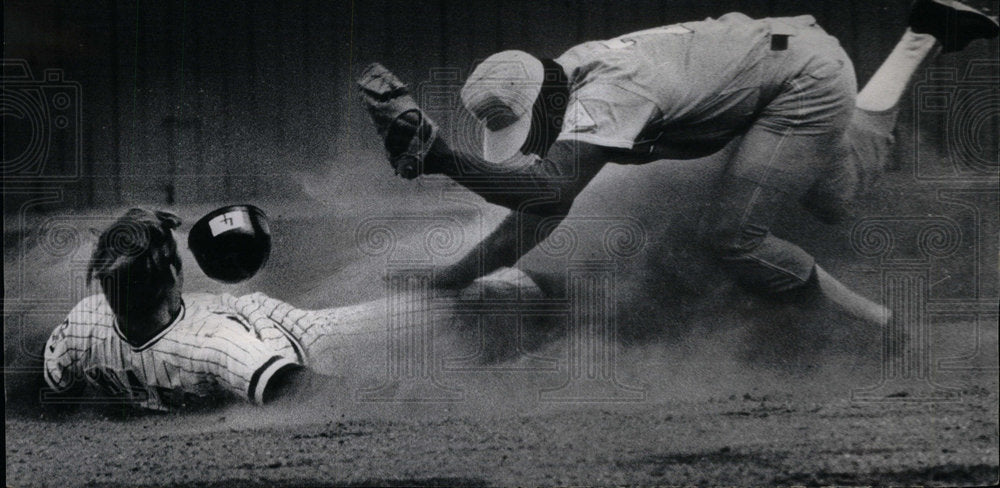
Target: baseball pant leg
[[781, 157]]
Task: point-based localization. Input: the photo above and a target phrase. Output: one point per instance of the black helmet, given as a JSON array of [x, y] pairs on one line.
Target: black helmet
[[231, 243]]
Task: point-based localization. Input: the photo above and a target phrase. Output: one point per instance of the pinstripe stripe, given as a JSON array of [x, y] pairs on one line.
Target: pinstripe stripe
[[252, 388], [231, 342], [299, 351]]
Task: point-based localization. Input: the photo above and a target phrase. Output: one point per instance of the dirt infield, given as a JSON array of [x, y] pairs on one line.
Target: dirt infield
[[716, 387], [760, 438]]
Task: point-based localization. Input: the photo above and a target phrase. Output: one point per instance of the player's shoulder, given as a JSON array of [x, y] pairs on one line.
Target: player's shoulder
[[89, 320], [198, 331], [199, 300], [731, 17], [93, 309], [91, 302], [220, 303], [255, 297], [205, 316]]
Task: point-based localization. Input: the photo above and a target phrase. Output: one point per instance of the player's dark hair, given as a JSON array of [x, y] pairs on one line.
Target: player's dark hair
[[132, 262]]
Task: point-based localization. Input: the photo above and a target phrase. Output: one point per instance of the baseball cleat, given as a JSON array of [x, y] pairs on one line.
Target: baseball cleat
[[408, 133], [953, 24]]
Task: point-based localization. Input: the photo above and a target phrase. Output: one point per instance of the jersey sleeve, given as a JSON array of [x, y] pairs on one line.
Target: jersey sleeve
[[606, 115], [240, 362], [262, 310], [62, 371], [276, 322]]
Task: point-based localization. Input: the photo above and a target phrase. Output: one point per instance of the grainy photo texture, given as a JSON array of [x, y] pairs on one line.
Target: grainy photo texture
[[501, 243]]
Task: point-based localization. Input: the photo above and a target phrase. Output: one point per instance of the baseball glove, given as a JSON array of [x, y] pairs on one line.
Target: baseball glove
[[408, 133]]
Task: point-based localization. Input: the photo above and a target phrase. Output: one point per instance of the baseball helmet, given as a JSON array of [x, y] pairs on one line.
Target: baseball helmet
[[231, 244]]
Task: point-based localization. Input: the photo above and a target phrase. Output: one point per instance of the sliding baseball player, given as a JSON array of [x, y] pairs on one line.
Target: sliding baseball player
[[144, 343]]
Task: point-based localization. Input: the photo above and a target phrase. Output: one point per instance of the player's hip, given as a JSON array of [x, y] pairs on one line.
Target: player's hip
[[813, 83]]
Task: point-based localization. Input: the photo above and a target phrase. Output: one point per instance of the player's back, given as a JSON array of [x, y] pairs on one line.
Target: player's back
[[708, 79]]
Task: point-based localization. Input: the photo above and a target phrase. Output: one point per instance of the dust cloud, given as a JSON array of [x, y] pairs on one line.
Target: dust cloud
[[678, 329]]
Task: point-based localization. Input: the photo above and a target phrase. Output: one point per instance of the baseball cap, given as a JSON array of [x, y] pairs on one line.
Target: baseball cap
[[500, 92]]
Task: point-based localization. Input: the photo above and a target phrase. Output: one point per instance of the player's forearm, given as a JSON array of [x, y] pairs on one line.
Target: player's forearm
[[498, 249], [544, 186], [514, 237], [516, 189]]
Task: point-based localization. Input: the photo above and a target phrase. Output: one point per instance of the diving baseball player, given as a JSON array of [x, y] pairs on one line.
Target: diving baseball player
[[143, 343], [782, 88]]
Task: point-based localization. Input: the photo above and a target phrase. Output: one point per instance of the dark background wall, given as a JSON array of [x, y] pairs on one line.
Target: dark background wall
[[183, 101]]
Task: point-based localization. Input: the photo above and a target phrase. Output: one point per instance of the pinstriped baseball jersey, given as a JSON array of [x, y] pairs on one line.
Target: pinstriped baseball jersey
[[208, 352]]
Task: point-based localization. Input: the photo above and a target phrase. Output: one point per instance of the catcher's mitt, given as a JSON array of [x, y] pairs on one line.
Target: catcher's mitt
[[407, 132]]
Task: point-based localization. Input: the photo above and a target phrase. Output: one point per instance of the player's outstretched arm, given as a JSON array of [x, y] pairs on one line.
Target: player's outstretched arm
[[542, 186], [515, 236], [540, 193]]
